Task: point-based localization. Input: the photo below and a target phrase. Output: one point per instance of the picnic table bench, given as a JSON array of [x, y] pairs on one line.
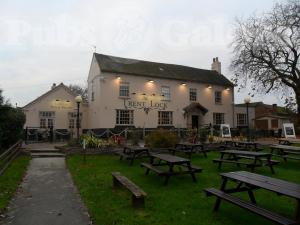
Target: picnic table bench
[[250, 182], [132, 152], [254, 159], [288, 141], [189, 149], [286, 151], [169, 165], [138, 195]]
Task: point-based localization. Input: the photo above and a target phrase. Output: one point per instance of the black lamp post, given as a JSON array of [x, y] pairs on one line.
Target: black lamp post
[[247, 100], [78, 100]]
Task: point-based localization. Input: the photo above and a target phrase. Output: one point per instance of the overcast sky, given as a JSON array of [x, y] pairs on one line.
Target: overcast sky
[[45, 42]]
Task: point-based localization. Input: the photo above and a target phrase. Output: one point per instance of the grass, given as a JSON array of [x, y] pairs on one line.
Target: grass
[[182, 202], [11, 179]]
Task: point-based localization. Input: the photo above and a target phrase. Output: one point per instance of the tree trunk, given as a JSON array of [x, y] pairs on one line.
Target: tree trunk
[[297, 93]]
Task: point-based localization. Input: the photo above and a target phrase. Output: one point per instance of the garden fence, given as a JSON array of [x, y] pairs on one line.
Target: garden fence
[[9, 155]]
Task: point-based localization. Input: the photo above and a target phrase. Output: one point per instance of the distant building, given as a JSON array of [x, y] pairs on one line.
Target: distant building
[[263, 116]]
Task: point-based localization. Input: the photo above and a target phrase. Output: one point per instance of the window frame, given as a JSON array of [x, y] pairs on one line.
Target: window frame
[[218, 99], [193, 94], [124, 87], [166, 96], [162, 118], [238, 119], [120, 120], [221, 120]]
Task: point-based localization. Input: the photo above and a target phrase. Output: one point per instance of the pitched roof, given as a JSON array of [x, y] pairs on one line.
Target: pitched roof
[[159, 70], [61, 85]]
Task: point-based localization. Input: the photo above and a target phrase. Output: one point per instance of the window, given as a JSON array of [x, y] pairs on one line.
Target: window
[[73, 119], [124, 89], [218, 97], [50, 123], [124, 117], [47, 114], [165, 118], [71, 123], [193, 94], [165, 92], [43, 123], [241, 119], [218, 118]]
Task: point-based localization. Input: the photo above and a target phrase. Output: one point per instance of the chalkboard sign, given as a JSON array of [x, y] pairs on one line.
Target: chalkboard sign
[[225, 130], [289, 130]]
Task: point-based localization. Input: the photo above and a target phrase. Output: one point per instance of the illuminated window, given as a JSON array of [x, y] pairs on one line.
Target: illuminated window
[[218, 97], [218, 118], [124, 117], [193, 94], [241, 119], [165, 118], [166, 93], [124, 89]]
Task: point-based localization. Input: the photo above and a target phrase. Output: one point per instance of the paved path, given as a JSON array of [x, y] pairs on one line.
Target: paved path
[[47, 196]]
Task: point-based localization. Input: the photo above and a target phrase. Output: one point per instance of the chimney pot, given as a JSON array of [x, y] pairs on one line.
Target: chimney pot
[[216, 65], [53, 85]]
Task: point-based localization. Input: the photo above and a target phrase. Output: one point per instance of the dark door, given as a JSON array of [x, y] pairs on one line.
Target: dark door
[[195, 122]]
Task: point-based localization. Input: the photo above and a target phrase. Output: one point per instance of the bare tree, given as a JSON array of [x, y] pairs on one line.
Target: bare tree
[[266, 52], [79, 90]]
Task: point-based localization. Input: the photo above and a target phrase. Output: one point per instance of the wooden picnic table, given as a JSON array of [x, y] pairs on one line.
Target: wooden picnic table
[[286, 151], [188, 148], [133, 152], [288, 141], [249, 145], [173, 165], [250, 182], [254, 159]]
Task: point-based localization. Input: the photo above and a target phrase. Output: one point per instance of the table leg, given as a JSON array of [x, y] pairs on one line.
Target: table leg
[[192, 172], [169, 174], [251, 196], [270, 164], [297, 215], [218, 201], [220, 163], [132, 159]]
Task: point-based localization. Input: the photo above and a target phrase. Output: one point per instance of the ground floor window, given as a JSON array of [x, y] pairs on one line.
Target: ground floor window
[[71, 123], [165, 118], [124, 117], [42, 123], [241, 119], [218, 118]]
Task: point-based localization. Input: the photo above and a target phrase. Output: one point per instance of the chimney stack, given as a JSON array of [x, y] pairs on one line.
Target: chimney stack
[[53, 86], [216, 65], [274, 107]]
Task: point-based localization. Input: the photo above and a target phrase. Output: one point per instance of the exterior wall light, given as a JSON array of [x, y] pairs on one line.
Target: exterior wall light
[[153, 95], [183, 84], [118, 77], [144, 94], [133, 93], [227, 89], [209, 86], [151, 81], [57, 100]]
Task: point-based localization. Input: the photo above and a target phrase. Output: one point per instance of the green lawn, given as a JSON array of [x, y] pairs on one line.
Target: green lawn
[[11, 179], [182, 202]]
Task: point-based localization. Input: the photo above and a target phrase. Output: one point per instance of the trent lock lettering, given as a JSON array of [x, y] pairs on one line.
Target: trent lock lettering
[[142, 105]]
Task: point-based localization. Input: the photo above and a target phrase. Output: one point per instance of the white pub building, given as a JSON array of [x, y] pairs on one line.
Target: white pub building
[[126, 93]]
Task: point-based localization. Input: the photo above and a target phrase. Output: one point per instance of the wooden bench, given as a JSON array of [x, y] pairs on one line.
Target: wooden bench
[[138, 195], [250, 206]]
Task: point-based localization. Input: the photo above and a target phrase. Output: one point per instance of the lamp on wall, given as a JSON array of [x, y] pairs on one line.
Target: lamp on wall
[[78, 100], [209, 86], [247, 100]]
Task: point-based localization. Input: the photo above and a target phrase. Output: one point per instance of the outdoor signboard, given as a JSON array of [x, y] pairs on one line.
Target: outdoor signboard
[[225, 131], [289, 130]]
